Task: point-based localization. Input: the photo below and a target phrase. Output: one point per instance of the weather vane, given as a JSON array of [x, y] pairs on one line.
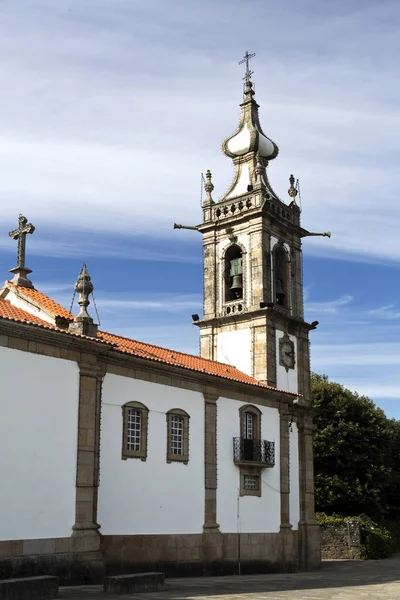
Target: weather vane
[[247, 57]]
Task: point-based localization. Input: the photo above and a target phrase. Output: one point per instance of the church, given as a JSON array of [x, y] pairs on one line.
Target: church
[[133, 457]]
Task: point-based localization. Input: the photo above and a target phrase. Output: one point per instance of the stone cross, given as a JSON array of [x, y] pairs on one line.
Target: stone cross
[[20, 234], [20, 271], [247, 57]]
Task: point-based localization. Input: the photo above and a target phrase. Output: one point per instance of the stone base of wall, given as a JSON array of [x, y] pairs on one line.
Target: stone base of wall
[[197, 555], [210, 553], [71, 568]]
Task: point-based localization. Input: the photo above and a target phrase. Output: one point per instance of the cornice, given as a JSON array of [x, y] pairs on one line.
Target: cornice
[[75, 348]]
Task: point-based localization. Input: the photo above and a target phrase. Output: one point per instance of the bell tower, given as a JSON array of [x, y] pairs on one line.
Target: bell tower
[[253, 287]]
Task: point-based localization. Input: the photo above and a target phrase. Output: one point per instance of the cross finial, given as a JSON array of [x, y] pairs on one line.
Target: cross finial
[[247, 57], [20, 271]]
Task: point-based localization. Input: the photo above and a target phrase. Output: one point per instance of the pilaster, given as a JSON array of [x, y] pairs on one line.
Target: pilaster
[[304, 377], [210, 462], [85, 534], [271, 354], [309, 534], [284, 420]]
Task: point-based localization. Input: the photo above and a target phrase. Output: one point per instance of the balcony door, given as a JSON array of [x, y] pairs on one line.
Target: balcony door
[[248, 435]]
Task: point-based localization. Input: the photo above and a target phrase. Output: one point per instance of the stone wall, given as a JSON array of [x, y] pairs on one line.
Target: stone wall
[[210, 553], [341, 541]]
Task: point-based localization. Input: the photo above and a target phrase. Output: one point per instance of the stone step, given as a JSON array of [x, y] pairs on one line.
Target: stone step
[[29, 588], [136, 582]]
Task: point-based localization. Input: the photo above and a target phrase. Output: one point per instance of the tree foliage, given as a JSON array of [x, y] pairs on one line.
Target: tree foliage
[[356, 450]]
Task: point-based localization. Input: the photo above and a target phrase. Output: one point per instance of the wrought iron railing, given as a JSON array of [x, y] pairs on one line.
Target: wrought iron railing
[[259, 451]]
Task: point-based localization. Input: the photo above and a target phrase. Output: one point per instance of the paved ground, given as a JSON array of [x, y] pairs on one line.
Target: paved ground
[[341, 580]]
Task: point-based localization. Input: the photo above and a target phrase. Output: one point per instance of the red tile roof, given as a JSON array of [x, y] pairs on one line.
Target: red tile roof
[[126, 345], [179, 359], [43, 301], [8, 311]]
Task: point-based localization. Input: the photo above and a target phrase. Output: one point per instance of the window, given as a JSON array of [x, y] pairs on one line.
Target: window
[[233, 274], [281, 276], [177, 436], [250, 422], [247, 451], [250, 484], [134, 430], [248, 428]]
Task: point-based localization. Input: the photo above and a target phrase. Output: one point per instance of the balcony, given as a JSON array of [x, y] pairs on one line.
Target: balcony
[[257, 453]]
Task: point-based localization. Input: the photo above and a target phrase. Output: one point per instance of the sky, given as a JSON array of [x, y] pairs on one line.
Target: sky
[[110, 110]]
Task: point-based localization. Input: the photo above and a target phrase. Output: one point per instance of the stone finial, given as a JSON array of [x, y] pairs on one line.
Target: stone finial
[[292, 190], [83, 322], [259, 167], [20, 271], [208, 186]]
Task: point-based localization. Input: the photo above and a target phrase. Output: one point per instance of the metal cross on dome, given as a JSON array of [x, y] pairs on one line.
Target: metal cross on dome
[[20, 234], [247, 57]]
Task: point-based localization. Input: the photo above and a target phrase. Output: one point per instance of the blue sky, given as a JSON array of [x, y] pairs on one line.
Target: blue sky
[[111, 109]]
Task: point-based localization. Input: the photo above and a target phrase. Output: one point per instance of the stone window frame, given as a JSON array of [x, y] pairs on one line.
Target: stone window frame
[[250, 472], [184, 457], [225, 301], [280, 246], [142, 453], [257, 414]]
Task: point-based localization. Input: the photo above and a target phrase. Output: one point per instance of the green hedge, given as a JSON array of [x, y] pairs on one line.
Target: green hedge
[[377, 540]]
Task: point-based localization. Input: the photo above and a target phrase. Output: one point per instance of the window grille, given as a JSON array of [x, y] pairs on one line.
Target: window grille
[[176, 435], [251, 482], [134, 429], [248, 426], [135, 418]]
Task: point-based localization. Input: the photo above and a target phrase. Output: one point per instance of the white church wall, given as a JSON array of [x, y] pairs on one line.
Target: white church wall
[[256, 514], [286, 380], [38, 445], [28, 307], [152, 496], [234, 348], [294, 474]]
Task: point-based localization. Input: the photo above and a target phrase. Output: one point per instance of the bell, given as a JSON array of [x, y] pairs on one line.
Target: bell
[[280, 293], [237, 286]]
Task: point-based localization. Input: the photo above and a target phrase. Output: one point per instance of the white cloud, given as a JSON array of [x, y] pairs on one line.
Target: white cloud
[[355, 355], [386, 312], [164, 303], [330, 307], [110, 111]]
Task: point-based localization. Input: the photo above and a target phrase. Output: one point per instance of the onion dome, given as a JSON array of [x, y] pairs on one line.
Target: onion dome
[[250, 136], [250, 149]]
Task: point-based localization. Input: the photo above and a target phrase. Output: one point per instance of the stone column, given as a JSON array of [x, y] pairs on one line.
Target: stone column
[[85, 536], [310, 543]]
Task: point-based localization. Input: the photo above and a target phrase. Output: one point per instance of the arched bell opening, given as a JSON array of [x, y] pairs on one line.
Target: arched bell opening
[[281, 277], [233, 273]]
